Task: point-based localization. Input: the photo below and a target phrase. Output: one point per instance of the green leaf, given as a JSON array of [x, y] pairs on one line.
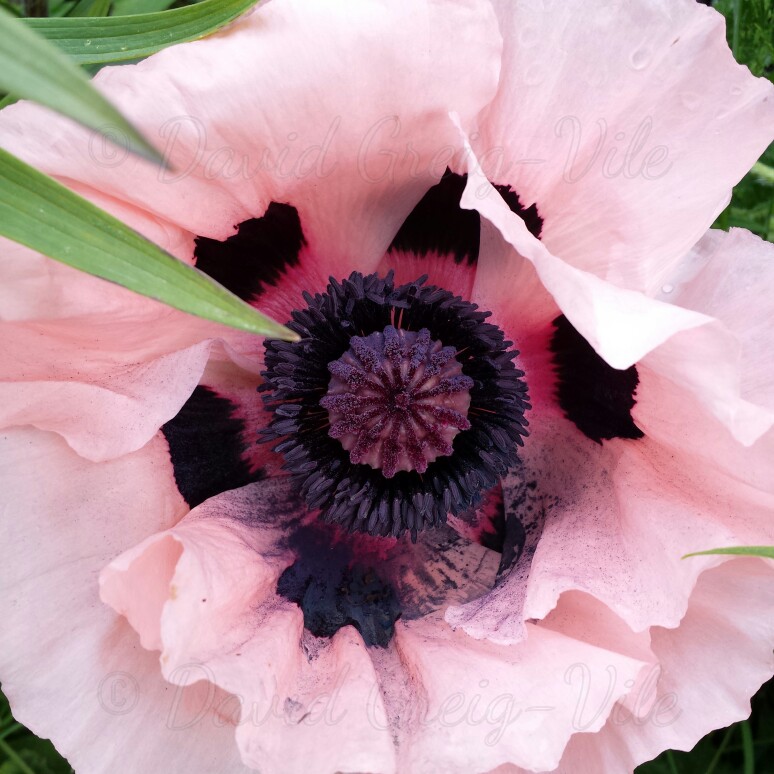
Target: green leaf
[[122, 38], [127, 7], [764, 551], [30, 755], [38, 212], [32, 68]]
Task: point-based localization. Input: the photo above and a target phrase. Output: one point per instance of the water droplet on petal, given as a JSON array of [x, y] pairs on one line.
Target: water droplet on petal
[[690, 99], [667, 288], [736, 90], [640, 59]]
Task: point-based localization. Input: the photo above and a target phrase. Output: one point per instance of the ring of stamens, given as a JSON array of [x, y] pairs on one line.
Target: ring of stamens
[[349, 444]]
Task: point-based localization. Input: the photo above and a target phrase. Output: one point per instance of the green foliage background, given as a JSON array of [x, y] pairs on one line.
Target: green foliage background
[[743, 748]]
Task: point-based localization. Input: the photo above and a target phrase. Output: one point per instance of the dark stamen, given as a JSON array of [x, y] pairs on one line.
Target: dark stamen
[[425, 408]]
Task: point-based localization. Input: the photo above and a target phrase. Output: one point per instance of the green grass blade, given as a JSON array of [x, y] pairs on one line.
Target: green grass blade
[[123, 38], [748, 747], [18, 762], [90, 8], [38, 212], [32, 68], [765, 551], [125, 7]]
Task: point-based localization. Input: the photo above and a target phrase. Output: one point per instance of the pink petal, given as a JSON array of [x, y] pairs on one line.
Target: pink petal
[[270, 110], [63, 653], [213, 603], [683, 340], [77, 380], [622, 325], [96, 363], [323, 706], [474, 705], [618, 520], [210, 573], [727, 366], [628, 125], [711, 665]]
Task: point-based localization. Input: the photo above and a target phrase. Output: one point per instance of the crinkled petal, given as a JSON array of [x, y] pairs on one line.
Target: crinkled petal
[[96, 363], [64, 653], [617, 521], [710, 666], [104, 401], [728, 365], [622, 325], [211, 601], [627, 124], [472, 705], [211, 570]]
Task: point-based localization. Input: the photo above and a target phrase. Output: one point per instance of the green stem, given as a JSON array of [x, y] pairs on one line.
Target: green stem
[[748, 748], [13, 756]]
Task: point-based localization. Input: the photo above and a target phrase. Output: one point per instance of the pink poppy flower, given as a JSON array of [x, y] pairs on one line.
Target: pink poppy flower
[[444, 556]]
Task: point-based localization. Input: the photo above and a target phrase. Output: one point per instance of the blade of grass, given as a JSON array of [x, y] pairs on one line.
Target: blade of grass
[[38, 212], [763, 170], [737, 22], [33, 68], [11, 729], [748, 748], [719, 752], [765, 551], [11, 754], [124, 38], [128, 7]]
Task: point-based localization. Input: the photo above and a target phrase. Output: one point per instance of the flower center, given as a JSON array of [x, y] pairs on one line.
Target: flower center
[[398, 405], [397, 399]]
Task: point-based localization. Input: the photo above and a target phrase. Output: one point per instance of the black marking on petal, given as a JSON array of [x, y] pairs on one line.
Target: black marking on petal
[[596, 397], [256, 256], [334, 590], [529, 215], [525, 511], [206, 445], [438, 223]]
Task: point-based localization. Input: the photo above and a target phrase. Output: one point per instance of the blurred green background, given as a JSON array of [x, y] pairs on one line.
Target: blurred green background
[[744, 748]]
